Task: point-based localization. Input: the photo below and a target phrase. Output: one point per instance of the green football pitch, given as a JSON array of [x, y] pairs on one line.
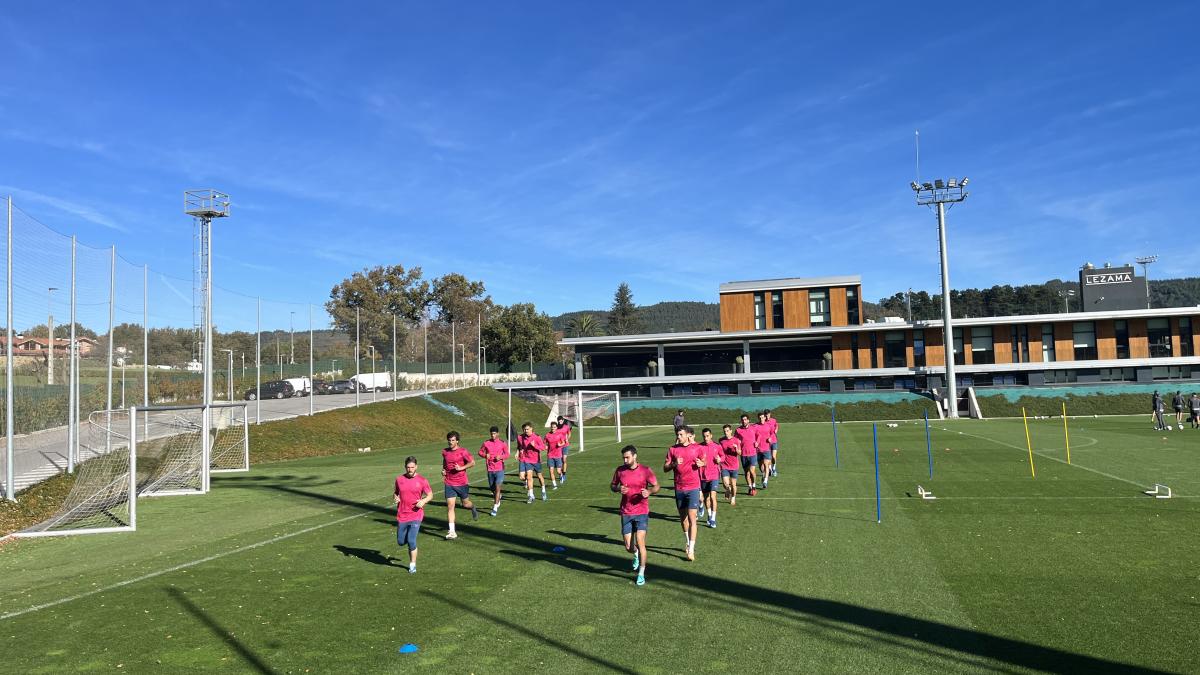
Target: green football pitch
[[294, 567]]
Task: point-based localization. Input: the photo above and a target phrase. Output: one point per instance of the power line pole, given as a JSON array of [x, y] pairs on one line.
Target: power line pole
[[1145, 261]]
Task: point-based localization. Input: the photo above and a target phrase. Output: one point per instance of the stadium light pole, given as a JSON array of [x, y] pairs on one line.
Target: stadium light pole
[[938, 194], [374, 386], [1066, 296], [1145, 261]]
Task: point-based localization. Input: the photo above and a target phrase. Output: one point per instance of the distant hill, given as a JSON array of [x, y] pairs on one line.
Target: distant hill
[[664, 317]]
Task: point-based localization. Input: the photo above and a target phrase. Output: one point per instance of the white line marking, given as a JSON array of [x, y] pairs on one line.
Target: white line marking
[[176, 568]]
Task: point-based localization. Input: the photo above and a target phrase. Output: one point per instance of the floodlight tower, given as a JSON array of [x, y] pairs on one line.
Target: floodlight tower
[[1145, 261], [204, 206], [939, 193]]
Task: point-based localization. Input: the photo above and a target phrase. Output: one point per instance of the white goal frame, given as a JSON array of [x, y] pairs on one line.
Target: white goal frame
[[245, 465], [581, 421]]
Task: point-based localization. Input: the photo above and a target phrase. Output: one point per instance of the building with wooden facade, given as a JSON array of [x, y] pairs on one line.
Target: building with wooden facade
[[809, 335]]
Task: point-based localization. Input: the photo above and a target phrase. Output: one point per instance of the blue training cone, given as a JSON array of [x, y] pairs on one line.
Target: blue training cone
[[560, 549], [409, 648]]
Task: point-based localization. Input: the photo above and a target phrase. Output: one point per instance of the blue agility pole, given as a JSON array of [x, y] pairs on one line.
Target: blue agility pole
[[833, 415], [928, 444], [878, 498]]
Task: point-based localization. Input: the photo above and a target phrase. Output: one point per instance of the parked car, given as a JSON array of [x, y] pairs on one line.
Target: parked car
[[272, 389], [301, 385], [322, 387], [373, 381], [342, 387]]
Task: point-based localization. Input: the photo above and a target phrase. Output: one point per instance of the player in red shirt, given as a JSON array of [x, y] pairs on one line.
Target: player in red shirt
[[494, 451], [529, 459], [773, 439], [710, 477], [686, 459], [412, 493], [765, 459], [455, 462], [635, 482], [564, 426], [731, 450], [555, 440], [747, 436]]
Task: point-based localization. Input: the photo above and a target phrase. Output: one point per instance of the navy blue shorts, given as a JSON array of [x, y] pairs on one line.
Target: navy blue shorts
[[729, 473], [495, 479], [687, 499], [630, 524], [764, 457], [535, 467], [749, 461], [460, 492], [566, 449], [707, 486], [774, 447], [555, 462], [406, 533]]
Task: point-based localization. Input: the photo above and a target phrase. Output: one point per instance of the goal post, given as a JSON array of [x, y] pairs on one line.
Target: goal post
[[230, 446], [595, 405]]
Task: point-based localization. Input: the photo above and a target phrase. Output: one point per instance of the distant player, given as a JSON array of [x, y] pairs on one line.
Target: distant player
[[412, 493], [731, 452], [1157, 402], [564, 426], [455, 462], [635, 482], [529, 459], [763, 430], [686, 458], [494, 451], [747, 437], [1195, 405], [679, 422], [710, 477], [1177, 403], [773, 439], [555, 440]]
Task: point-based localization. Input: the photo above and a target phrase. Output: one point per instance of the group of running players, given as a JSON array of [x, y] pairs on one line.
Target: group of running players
[[701, 471]]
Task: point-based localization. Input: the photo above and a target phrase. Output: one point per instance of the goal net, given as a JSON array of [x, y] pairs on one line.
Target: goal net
[[171, 447], [597, 413], [230, 438], [103, 497]]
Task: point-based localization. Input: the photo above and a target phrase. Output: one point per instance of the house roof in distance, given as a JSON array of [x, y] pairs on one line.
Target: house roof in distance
[[792, 282]]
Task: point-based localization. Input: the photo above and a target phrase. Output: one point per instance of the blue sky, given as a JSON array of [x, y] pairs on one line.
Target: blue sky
[[555, 149]]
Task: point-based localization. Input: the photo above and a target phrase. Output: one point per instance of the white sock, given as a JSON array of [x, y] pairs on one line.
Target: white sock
[[451, 528]]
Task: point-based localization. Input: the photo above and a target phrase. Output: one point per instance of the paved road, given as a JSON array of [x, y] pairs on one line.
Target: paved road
[[43, 454]]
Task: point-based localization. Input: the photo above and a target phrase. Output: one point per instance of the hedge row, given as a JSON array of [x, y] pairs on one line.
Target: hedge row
[[808, 412]]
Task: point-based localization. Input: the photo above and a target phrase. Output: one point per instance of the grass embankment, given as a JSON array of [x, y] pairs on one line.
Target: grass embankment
[[391, 424]]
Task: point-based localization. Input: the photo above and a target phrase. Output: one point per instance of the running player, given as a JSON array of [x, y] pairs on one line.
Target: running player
[[731, 450], [555, 440], [455, 462], [564, 427], [773, 439], [529, 459], [494, 451], [763, 430], [412, 493], [710, 477], [635, 482], [1177, 403], [685, 458], [747, 436]]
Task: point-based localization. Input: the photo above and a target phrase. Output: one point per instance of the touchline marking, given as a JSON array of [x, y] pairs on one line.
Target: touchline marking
[[1056, 459], [201, 561]]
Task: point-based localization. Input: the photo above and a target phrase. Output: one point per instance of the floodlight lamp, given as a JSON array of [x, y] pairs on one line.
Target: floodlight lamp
[[952, 183], [963, 182], [915, 187], [939, 183], [927, 185]]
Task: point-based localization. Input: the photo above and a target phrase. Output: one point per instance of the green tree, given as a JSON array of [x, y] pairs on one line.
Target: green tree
[[584, 325], [513, 333], [378, 294], [623, 318], [459, 299]]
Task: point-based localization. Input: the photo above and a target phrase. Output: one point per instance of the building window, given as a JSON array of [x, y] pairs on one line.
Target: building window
[[852, 307], [776, 309], [1158, 334], [1085, 340], [760, 312], [919, 348], [1047, 342], [1121, 328], [1185, 336], [1016, 349], [874, 350], [959, 359], [1024, 331], [818, 308], [982, 350], [893, 350], [854, 351]]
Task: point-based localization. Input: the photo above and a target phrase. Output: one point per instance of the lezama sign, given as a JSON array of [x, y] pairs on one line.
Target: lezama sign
[[1108, 278]]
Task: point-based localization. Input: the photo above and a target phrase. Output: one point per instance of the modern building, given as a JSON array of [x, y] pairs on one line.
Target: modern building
[[809, 335]]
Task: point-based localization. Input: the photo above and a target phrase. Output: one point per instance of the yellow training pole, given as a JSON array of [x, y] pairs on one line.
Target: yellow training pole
[[1066, 434], [1028, 443]]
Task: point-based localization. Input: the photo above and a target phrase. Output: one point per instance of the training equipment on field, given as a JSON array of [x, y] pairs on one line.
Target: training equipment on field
[[1160, 491], [409, 648], [1028, 444], [581, 406], [878, 497], [924, 494]]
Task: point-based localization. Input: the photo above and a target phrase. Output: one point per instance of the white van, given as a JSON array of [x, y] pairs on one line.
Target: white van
[[372, 381], [301, 385]]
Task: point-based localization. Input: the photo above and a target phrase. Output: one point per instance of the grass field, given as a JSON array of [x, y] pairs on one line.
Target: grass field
[[294, 567]]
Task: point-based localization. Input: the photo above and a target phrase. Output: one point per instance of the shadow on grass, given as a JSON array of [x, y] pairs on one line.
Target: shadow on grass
[[368, 555], [221, 633], [887, 626]]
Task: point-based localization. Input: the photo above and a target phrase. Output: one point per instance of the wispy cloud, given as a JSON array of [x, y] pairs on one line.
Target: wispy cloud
[[83, 211]]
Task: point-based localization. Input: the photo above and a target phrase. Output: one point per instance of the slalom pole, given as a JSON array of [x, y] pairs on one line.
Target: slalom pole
[[878, 498], [1028, 443], [1066, 434], [928, 444], [836, 461]]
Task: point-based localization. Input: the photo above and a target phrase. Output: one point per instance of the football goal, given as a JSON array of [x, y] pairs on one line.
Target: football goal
[[598, 411]]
